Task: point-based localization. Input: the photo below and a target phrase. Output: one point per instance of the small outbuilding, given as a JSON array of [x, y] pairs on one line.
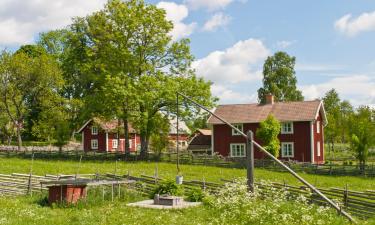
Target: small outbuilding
[[200, 143]]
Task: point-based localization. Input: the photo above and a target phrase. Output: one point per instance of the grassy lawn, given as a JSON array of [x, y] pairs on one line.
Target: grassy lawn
[[31, 210], [168, 170], [26, 210]]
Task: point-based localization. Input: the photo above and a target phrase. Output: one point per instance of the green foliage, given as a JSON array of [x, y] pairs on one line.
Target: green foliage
[[338, 116], [159, 139], [362, 128], [168, 188], [27, 82], [236, 205], [195, 195], [268, 131], [124, 63], [279, 79]]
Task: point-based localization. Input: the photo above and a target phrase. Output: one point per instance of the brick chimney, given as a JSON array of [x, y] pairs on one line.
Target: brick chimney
[[269, 99]]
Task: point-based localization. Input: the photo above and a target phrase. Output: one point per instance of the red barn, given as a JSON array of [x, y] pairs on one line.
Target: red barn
[[301, 136], [102, 136]]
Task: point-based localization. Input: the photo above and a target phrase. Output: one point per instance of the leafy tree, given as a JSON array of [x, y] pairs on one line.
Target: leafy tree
[[7, 129], [279, 79], [268, 131], [159, 139], [200, 122], [69, 50], [127, 66], [332, 106], [25, 80], [362, 129], [346, 110], [338, 115]]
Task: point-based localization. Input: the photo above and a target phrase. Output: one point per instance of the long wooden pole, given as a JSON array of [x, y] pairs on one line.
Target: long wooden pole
[[314, 189], [177, 134], [250, 160]]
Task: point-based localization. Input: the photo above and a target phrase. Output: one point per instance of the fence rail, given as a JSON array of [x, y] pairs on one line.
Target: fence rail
[[203, 160], [360, 204]]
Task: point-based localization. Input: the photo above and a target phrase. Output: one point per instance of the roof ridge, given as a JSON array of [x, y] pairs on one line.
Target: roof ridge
[[315, 100]]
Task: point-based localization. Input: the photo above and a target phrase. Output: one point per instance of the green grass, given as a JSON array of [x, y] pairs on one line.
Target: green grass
[[29, 210], [168, 170], [26, 210]]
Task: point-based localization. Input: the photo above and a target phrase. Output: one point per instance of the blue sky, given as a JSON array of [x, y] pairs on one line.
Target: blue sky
[[333, 41]]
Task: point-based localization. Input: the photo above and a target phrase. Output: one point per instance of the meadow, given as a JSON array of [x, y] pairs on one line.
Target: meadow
[[33, 210], [169, 171]]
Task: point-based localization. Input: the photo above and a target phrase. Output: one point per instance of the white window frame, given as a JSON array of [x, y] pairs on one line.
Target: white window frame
[[282, 149], [237, 144], [114, 143], [318, 148], [93, 145], [239, 126], [94, 130], [283, 131], [318, 127], [130, 143]]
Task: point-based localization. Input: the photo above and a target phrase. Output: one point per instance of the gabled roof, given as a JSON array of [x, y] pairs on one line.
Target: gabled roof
[[283, 111], [182, 127], [108, 126], [204, 132]]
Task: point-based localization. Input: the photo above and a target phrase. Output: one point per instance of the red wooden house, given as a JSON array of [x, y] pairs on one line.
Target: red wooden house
[[301, 136], [102, 136]]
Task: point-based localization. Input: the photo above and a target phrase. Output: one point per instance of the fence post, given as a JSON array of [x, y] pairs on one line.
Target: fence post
[[250, 160], [346, 195]]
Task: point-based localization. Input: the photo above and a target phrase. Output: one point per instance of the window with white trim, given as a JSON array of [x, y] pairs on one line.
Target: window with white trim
[[318, 127], [238, 126], [114, 143], [130, 143], [287, 128], [94, 130], [94, 144], [237, 150], [318, 148], [287, 149]]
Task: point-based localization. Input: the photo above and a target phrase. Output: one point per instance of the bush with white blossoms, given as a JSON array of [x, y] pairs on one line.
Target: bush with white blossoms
[[236, 205]]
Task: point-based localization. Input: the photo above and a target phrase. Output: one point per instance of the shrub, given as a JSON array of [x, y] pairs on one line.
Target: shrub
[[236, 205], [195, 195], [169, 188]]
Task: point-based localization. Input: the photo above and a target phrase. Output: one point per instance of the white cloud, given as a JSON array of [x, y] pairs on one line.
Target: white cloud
[[284, 44], [353, 26], [21, 20], [216, 21], [241, 62], [210, 5], [177, 13], [227, 95], [358, 89], [318, 67]]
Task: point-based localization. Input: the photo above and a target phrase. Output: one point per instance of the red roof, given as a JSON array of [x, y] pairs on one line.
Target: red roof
[[255, 113], [109, 126]]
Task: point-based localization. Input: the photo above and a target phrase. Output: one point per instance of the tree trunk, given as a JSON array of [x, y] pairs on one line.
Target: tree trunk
[[362, 165], [126, 132], [144, 145], [19, 138], [9, 140], [3, 138]]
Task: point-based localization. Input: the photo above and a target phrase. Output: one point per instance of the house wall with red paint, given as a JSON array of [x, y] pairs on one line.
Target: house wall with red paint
[[102, 136], [301, 138], [318, 140]]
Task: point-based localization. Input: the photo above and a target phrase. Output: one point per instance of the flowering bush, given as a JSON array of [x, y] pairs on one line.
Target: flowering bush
[[236, 205]]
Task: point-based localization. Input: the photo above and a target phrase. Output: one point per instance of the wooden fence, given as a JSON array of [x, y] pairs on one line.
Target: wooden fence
[[360, 204], [205, 160]]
